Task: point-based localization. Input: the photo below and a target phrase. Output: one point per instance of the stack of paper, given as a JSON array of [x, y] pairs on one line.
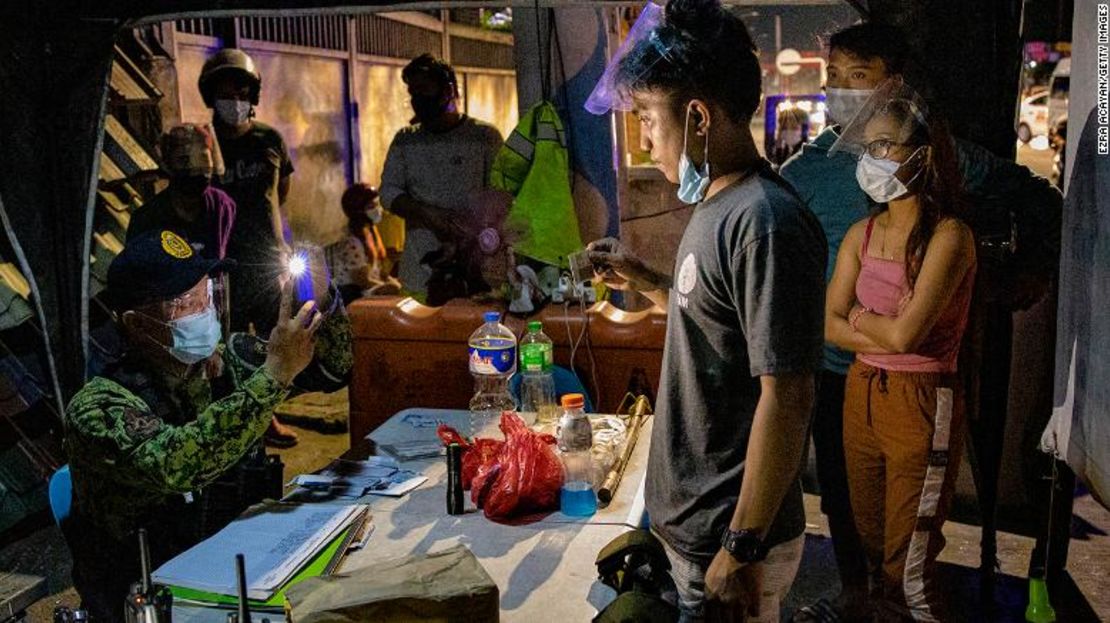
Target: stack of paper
[[276, 540], [377, 475], [415, 450]]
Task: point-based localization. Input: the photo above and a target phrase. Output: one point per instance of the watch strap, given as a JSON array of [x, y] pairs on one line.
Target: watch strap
[[744, 545]]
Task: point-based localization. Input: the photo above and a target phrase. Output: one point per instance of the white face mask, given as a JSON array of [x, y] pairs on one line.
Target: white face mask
[[844, 104], [692, 183], [877, 177], [233, 112]]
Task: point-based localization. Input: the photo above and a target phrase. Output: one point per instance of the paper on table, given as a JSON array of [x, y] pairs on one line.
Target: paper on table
[[415, 450], [397, 489], [312, 481], [317, 566], [276, 540], [377, 475]]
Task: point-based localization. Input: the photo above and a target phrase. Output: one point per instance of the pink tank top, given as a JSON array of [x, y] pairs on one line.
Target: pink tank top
[[882, 286]]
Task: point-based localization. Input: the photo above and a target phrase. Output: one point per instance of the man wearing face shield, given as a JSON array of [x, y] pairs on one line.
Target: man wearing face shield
[[861, 58], [173, 415], [433, 168], [256, 175]]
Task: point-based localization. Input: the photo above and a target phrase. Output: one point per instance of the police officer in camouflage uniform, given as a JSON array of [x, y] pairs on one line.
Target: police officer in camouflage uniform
[[177, 412]]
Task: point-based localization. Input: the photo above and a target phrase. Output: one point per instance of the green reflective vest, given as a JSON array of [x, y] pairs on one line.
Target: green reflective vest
[[533, 165]]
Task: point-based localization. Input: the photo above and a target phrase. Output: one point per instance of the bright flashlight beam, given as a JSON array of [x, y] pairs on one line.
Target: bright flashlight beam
[[298, 265]]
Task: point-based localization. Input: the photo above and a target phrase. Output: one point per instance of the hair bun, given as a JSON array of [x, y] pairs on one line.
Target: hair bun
[[693, 15]]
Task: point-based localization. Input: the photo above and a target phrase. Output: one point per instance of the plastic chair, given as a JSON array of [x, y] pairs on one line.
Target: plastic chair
[[61, 494], [566, 382]]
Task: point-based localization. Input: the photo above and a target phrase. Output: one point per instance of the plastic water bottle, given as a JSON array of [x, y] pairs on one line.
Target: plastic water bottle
[[492, 363], [537, 384], [577, 498]]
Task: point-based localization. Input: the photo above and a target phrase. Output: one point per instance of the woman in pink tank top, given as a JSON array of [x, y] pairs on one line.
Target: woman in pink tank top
[[899, 298]]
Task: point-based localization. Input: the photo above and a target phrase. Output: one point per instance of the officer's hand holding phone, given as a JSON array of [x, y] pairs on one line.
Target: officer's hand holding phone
[[292, 341], [307, 269]]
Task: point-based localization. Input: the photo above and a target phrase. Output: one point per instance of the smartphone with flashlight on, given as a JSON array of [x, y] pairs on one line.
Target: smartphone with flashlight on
[[308, 270]]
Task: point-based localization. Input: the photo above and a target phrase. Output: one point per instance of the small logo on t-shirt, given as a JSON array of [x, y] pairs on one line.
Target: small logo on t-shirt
[[687, 278], [688, 274]]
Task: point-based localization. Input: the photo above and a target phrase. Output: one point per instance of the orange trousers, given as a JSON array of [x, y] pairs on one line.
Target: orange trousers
[[903, 435]]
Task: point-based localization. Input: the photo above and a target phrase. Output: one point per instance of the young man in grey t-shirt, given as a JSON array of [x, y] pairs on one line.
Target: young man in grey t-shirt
[[744, 327]]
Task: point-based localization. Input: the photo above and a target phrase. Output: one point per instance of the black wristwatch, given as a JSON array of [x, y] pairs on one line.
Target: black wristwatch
[[744, 545]]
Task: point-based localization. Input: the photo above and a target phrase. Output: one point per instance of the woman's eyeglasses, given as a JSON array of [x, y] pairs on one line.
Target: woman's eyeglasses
[[880, 148]]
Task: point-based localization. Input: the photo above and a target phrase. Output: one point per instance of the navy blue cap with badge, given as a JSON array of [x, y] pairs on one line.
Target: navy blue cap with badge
[[155, 266]]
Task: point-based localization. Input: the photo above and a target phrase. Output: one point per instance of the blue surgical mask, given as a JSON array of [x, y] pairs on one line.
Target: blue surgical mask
[[692, 183], [195, 336]]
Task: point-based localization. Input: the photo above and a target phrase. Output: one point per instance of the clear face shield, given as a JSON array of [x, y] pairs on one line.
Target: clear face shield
[[188, 303], [894, 117], [890, 138], [610, 93], [188, 325]]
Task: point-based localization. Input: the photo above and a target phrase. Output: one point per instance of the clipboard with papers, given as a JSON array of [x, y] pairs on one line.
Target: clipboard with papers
[[280, 541]]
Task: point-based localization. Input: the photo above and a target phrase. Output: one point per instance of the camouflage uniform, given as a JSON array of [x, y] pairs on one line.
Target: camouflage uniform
[[179, 456], [330, 369], [140, 444]]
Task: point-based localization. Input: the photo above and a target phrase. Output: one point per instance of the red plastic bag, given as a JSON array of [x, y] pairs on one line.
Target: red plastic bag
[[474, 454], [523, 478]]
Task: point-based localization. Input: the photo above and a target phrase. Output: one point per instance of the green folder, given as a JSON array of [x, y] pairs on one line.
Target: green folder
[[315, 567]]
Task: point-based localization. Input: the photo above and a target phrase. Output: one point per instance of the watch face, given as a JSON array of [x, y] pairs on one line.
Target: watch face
[[744, 545]]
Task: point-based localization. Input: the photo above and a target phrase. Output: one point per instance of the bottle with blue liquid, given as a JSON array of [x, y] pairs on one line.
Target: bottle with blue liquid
[[577, 497], [492, 364]]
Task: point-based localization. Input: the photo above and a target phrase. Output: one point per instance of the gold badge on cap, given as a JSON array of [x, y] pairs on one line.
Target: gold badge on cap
[[176, 246]]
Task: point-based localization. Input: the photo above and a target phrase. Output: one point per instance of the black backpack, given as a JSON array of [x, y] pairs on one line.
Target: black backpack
[[635, 565]]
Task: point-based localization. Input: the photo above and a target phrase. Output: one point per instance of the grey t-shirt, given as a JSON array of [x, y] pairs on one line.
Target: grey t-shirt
[[439, 168], [748, 300]]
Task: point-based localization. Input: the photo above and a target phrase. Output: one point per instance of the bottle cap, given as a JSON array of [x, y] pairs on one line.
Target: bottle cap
[[491, 316], [573, 401], [535, 326]]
